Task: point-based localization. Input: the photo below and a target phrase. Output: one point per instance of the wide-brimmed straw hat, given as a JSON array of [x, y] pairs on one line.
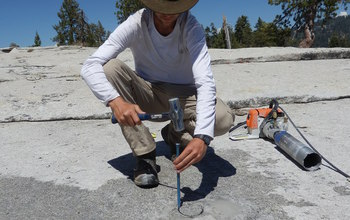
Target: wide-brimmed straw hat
[[169, 6]]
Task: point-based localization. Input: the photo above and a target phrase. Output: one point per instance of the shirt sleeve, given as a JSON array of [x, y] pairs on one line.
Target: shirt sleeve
[[203, 77], [92, 70]]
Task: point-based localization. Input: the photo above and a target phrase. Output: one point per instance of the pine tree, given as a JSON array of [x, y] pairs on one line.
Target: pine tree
[[234, 42], [96, 35], [67, 27], [73, 27], [82, 29], [37, 41], [260, 34], [334, 28], [91, 36], [214, 38], [125, 8], [220, 40], [284, 37], [243, 31], [338, 40], [13, 45], [213, 34], [305, 13], [101, 33], [207, 36], [270, 35]]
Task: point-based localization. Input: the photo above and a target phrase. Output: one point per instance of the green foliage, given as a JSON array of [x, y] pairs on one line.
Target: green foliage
[[284, 38], [337, 40], [83, 30], [264, 35], [13, 45], [125, 8], [243, 31], [68, 24], [73, 28], [234, 42], [305, 13], [302, 11], [270, 35], [96, 35], [335, 32], [214, 38], [219, 41], [37, 41]]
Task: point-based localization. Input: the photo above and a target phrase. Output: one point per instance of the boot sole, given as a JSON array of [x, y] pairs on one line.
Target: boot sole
[[146, 181]]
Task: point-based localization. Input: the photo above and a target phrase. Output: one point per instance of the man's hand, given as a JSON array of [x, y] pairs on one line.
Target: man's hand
[[124, 112], [193, 153]]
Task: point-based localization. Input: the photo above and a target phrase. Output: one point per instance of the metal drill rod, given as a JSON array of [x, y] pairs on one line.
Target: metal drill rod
[[178, 179]]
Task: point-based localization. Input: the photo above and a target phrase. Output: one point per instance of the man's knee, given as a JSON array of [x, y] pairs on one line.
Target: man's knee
[[224, 118], [118, 73], [114, 68]]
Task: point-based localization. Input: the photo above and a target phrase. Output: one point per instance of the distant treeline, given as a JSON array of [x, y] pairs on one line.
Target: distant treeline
[[314, 24], [242, 35], [295, 26], [334, 33], [73, 28]]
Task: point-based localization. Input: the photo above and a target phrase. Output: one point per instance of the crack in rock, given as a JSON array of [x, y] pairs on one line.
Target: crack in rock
[[55, 97], [5, 80], [27, 118], [263, 101], [328, 55]]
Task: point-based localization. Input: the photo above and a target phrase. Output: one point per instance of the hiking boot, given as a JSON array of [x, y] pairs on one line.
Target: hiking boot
[[145, 173]]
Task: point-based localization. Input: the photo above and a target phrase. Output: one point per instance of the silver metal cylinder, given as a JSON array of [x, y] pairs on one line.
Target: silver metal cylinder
[[301, 153]]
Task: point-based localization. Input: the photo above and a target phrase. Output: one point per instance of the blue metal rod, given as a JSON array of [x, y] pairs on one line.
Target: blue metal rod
[[178, 179]]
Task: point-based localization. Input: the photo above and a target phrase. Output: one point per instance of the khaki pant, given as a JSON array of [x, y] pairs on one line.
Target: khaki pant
[[153, 98]]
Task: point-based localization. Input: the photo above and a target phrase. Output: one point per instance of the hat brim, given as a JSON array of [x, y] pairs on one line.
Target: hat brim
[[168, 6]]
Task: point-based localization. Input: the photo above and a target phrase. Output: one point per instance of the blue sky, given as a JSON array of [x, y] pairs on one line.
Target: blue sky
[[20, 19]]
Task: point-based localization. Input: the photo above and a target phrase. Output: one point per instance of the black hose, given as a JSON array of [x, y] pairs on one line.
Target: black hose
[[336, 169], [274, 105], [237, 126]]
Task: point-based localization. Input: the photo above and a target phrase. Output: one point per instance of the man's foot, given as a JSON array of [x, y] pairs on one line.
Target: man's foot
[[145, 173]]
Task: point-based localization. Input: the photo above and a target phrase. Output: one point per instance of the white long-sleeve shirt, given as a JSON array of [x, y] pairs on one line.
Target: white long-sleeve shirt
[[180, 58]]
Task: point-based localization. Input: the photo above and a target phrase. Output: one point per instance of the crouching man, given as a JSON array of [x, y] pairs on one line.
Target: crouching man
[[171, 60]]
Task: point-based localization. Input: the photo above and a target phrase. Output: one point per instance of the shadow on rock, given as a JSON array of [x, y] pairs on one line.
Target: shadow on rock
[[212, 168], [124, 164]]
